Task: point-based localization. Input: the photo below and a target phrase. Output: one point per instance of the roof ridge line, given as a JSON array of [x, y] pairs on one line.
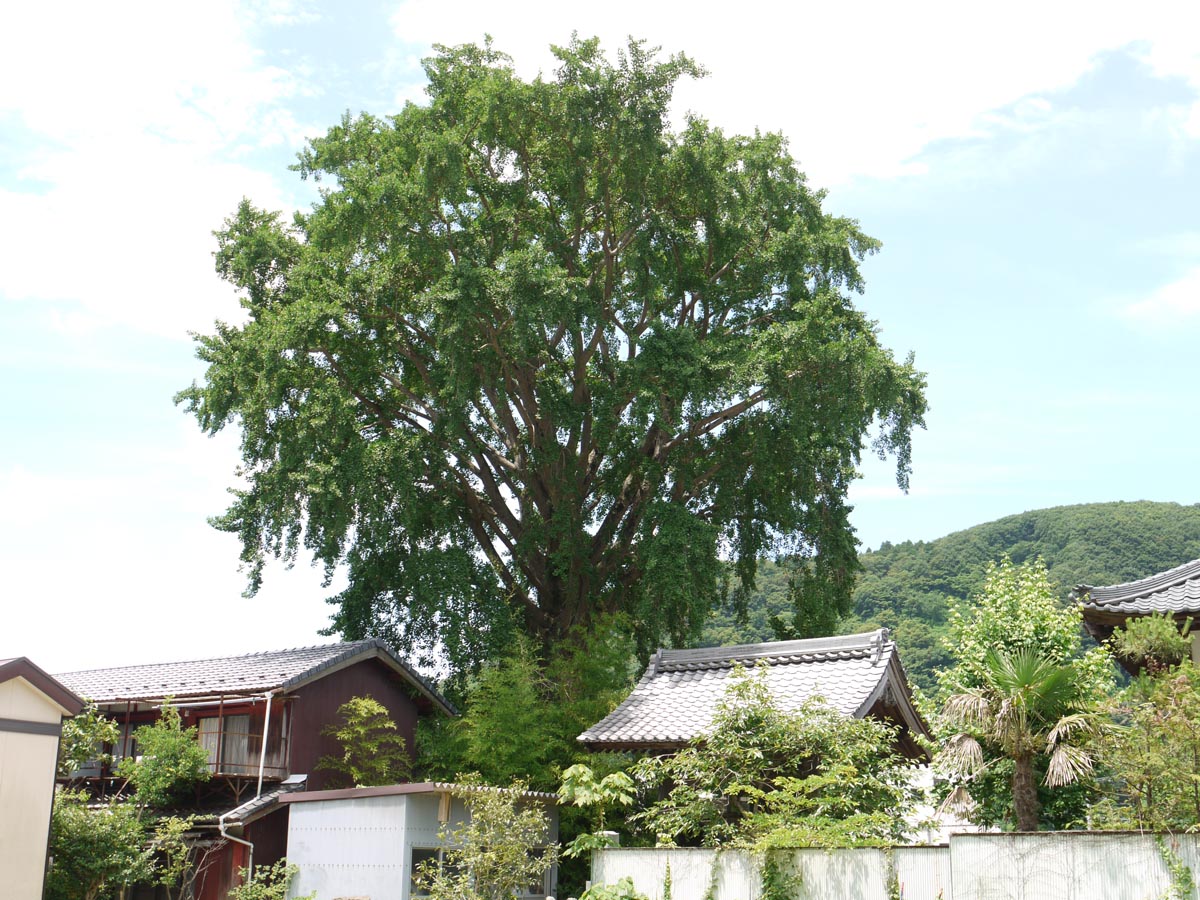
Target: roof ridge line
[[798, 646], [1170, 576], [184, 662]]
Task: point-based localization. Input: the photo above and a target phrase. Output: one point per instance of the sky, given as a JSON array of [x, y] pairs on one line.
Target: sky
[[1032, 169]]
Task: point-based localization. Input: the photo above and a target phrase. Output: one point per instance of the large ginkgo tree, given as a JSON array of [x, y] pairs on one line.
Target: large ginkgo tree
[[536, 358]]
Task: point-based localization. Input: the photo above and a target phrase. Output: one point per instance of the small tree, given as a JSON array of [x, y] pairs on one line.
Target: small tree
[[83, 740], [1155, 643], [268, 883], [1026, 706], [1016, 614], [1152, 759], [171, 761], [581, 787], [95, 852], [98, 851], [502, 849], [773, 779], [373, 752]]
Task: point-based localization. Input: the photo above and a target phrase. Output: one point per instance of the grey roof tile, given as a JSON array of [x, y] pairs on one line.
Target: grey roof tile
[[250, 673], [1174, 591], [677, 696]]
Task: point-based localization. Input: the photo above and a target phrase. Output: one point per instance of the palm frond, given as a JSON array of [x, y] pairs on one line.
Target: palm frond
[[1085, 724], [963, 754], [958, 801], [1067, 765], [969, 709]]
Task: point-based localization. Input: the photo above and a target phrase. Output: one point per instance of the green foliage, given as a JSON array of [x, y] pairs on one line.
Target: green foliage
[[171, 761], [521, 717], [268, 883], [372, 751], [1024, 705], [770, 779], [1183, 882], [174, 856], [1022, 690], [582, 788], [622, 890], [1017, 611], [535, 359], [907, 586], [95, 853], [1152, 760], [779, 882], [502, 849], [1155, 643], [506, 730], [83, 740], [522, 714]]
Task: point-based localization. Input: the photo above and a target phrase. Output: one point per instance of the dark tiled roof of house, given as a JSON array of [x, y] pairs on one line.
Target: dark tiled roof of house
[[1174, 591], [251, 673], [677, 696]]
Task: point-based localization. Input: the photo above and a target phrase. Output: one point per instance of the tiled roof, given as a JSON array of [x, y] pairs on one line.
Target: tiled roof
[[677, 696], [255, 806], [251, 673], [1174, 591]]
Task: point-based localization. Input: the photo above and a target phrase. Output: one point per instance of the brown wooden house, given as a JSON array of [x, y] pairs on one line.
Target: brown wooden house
[[260, 717]]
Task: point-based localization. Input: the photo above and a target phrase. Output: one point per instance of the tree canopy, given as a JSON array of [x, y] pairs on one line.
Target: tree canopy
[[536, 357]]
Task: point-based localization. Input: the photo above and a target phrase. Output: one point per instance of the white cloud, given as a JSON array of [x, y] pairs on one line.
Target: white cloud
[[140, 116], [860, 88], [1170, 305], [1181, 245], [117, 566]]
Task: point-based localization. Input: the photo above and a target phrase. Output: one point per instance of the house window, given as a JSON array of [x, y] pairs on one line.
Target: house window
[[418, 856], [539, 888], [227, 742]]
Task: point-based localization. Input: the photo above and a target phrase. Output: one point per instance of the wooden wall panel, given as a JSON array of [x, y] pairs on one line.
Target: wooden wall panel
[[317, 704]]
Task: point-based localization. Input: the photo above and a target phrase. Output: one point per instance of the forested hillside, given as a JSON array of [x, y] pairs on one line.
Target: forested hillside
[[906, 586]]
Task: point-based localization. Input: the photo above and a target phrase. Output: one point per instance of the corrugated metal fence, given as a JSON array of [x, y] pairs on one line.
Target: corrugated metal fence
[[1069, 865]]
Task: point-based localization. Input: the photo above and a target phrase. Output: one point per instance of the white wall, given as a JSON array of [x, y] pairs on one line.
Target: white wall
[[362, 847], [27, 763], [349, 848], [1070, 865]]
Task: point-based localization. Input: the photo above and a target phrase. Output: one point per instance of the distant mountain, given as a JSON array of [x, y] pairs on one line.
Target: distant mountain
[[906, 586]]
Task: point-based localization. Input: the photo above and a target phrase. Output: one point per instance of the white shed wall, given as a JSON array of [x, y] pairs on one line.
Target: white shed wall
[[349, 848], [361, 848], [27, 764]]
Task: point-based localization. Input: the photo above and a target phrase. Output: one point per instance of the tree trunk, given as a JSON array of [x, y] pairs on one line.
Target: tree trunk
[[1024, 791]]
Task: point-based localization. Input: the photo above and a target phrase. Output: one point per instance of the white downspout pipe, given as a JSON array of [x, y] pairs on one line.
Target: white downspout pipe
[[262, 759], [237, 840], [262, 756]]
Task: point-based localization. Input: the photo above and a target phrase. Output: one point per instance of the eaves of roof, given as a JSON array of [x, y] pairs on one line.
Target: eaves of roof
[[416, 787], [1175, 591], [59, 694]]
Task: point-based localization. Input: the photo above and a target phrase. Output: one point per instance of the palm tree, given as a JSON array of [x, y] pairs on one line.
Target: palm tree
[[1025, 706]]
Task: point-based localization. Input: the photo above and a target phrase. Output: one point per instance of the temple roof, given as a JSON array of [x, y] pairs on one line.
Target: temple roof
[[677, 696], [1176, 592]]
